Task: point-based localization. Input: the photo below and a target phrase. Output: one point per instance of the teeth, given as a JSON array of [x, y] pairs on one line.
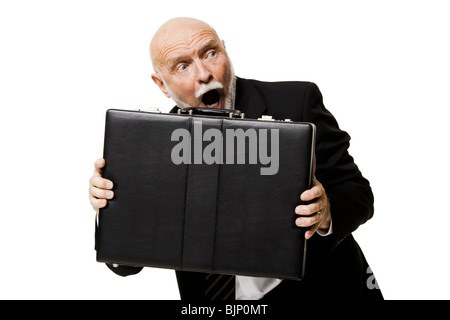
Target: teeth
[[213, 105]]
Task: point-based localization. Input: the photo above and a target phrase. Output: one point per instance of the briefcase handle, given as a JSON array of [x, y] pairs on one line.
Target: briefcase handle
[[213, 112]]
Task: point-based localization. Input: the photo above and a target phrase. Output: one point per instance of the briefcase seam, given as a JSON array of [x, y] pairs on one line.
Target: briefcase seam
[[219, 179], [185, 202]]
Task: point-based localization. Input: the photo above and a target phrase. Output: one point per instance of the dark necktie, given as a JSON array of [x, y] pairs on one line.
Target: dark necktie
[[220, 287]]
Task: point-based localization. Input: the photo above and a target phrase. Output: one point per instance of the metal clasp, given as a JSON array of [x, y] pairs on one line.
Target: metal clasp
[[266, 118], [150, 109]]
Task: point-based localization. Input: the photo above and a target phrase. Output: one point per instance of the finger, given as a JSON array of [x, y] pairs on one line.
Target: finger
[[97, 203], [309, 233], [312, 229], [101, 183], [309, 209], [308, 221], [315, 192], [98, 165], [101, 193]]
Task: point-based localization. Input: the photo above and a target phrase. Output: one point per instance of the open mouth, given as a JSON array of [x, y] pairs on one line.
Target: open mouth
[[211, 98]]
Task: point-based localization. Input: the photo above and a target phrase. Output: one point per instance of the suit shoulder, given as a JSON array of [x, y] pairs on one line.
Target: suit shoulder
[[276, 89], [274, 85], [283, 99]]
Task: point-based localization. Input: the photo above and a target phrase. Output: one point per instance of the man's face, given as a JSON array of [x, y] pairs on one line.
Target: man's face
[[194, 68]]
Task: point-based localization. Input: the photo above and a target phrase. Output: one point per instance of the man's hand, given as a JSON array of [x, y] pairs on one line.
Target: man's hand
[[99, 188], [315, 215]]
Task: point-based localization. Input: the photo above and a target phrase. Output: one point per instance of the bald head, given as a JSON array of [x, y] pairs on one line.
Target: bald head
[[191, 64], [174, 33]]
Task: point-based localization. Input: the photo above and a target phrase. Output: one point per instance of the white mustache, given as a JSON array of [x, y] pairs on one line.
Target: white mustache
[[208, 87]]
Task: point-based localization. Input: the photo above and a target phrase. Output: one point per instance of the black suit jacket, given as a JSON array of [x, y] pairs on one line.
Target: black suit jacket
[[336, 266]]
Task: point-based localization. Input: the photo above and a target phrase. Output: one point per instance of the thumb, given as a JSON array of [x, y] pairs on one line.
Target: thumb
[[98, 165]]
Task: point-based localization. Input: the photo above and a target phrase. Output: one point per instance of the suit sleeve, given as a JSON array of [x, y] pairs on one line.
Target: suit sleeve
[[349, 193]]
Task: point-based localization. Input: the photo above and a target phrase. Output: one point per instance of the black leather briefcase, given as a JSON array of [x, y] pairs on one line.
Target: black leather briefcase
[[205, 193]]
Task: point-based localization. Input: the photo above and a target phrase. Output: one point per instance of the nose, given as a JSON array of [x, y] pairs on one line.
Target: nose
[[204, 75]]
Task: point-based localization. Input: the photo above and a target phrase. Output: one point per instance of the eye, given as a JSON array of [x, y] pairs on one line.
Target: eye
[[212, 54], [182, 67]]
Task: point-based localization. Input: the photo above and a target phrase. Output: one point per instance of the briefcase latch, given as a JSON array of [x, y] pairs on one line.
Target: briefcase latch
[[150, 109], [266, 118], [269, 118]]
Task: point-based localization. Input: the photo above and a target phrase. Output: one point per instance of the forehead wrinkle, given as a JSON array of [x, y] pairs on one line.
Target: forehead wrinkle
[[167, 50], [204, 34]]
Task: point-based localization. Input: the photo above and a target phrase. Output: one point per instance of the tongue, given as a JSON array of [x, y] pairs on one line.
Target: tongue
[[211, 97]]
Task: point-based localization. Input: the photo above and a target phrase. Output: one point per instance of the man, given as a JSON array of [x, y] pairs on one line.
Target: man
[[192, 67]]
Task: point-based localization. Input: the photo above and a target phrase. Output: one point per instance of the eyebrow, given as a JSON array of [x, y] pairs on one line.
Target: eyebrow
[[209, 44], [174, 61], [212, 43]]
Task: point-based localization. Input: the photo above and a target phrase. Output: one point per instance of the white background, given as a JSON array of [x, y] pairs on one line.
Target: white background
[[382, 66]]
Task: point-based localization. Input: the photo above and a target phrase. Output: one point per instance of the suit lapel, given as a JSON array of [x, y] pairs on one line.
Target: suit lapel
[[248, 99]]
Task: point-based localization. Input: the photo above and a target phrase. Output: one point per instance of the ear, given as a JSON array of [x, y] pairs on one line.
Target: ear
[[158, 80]]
